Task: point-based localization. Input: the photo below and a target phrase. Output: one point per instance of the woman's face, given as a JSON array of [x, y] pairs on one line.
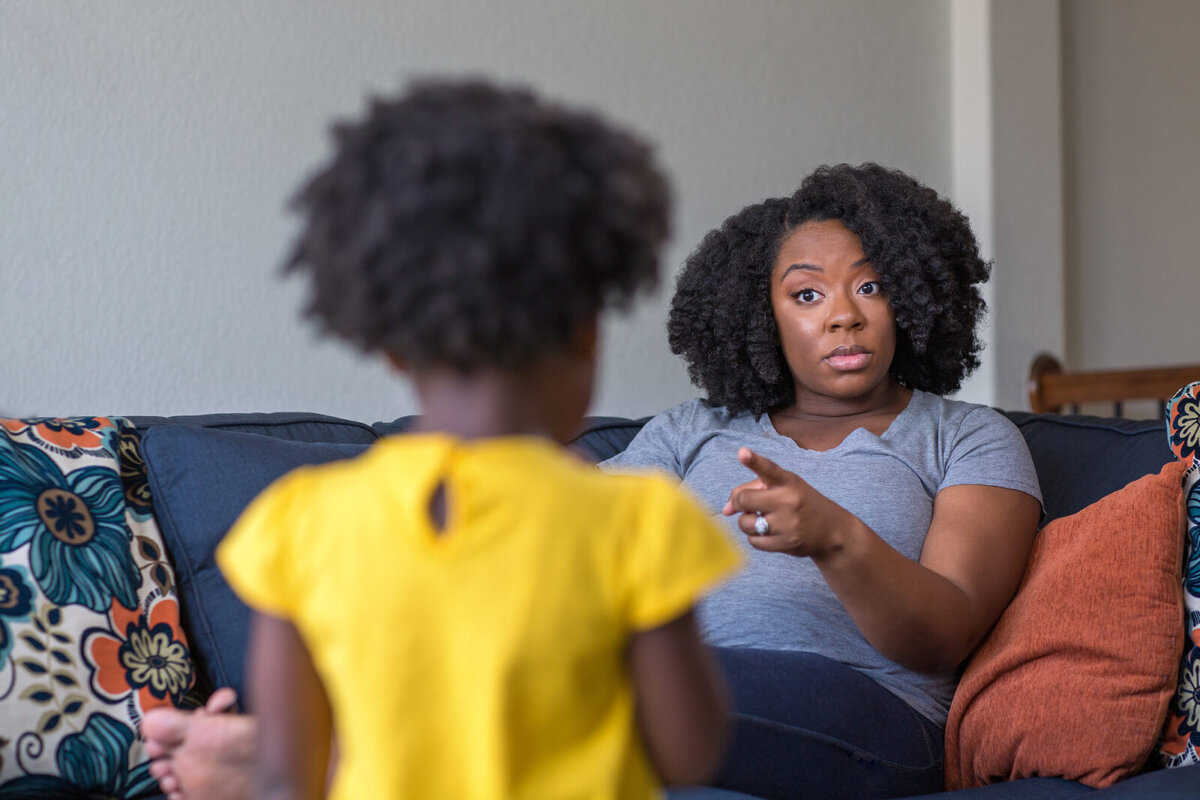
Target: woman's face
[[835, 325]]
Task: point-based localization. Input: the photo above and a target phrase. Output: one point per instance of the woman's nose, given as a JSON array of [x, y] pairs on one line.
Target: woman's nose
[[844, 314]]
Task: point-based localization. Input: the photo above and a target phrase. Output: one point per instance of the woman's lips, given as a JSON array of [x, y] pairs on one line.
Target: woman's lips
[[848, 359]]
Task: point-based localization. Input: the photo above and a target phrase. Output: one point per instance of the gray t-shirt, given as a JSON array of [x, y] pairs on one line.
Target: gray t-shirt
[[889, 482]]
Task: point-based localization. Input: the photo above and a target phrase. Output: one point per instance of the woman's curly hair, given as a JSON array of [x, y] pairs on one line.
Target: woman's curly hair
[[466, 225], [928, 262]]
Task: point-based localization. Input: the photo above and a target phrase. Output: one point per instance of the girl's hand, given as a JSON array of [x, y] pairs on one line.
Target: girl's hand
[[801, 521]]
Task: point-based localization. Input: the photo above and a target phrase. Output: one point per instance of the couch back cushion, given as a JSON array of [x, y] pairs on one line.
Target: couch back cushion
[[1080, 459], [201, 479], [601, 438], [296, 426]]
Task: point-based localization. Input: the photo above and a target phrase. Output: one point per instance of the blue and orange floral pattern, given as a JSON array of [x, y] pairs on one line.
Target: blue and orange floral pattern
[[1192, 506], [74, 523], [66, 436], [1180, 743], [16, 601], [133, 472], [143, 654], [90, 636], [1191, 561], [1183, 422], [95, 761]]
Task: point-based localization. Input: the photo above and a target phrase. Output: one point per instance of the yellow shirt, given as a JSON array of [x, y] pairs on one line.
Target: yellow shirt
[[487, 660]]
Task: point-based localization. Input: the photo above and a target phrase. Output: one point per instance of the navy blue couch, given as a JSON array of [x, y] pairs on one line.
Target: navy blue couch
[[204, 469]]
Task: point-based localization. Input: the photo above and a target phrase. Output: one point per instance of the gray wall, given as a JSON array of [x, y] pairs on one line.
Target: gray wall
[[147, 150]]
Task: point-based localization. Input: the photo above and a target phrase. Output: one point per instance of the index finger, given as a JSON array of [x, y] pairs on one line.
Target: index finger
[[771, 473]]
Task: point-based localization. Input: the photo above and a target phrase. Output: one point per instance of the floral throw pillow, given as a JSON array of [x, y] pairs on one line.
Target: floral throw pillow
[[89, 621], [1180, 744]]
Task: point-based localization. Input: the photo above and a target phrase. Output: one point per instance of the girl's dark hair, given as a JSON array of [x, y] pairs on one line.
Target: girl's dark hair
[[464, 224], [927, 258]]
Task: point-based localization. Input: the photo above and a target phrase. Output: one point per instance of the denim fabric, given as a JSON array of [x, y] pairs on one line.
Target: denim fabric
[[808, 726]]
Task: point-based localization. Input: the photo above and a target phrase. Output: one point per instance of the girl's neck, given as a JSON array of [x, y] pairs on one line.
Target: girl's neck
[[487, 403], [476, 406]]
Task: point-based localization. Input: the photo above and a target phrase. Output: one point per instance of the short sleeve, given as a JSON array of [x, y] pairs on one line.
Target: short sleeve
[[257, 556], [988, 450], [656, 446], [673, 554]]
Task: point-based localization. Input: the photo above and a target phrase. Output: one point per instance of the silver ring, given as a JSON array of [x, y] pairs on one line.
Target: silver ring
[[761, 526]]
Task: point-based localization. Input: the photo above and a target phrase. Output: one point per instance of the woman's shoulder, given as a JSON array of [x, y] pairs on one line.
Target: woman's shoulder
[[696, 413], [965, 427], [671, 438], [695, 421], [955, 413], [978, 444]]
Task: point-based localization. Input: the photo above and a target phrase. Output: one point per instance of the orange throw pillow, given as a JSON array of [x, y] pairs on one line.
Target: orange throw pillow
[[1074, 680]]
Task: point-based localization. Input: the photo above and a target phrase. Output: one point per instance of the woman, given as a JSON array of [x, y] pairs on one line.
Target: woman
[[886, 527]]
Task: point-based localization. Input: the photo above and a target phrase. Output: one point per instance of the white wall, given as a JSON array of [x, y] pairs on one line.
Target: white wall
[[1027, 195], [972, 126], [1132, 100], [147, 149]]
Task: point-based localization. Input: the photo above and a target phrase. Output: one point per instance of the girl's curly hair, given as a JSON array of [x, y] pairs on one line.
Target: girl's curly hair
[[927, 258], [465, 224]]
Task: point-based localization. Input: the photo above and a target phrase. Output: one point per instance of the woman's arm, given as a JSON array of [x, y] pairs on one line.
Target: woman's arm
[[927, 615], [681, 701], [294, 722]]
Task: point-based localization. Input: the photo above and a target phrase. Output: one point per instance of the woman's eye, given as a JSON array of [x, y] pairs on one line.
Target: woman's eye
[[806, 295], [870, 287]]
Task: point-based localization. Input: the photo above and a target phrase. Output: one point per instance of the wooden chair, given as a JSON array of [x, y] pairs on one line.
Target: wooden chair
[[1051, 387]]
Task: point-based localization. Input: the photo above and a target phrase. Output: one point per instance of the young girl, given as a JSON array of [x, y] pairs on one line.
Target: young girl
[[467, 609]]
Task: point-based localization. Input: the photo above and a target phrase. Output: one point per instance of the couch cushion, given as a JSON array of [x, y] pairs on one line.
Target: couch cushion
[[201, 479], [291, 425], [601, 438], [1163, 784], [1081, 459], [90, 636], [398, 425], [1075, 678], [1020, 789]]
